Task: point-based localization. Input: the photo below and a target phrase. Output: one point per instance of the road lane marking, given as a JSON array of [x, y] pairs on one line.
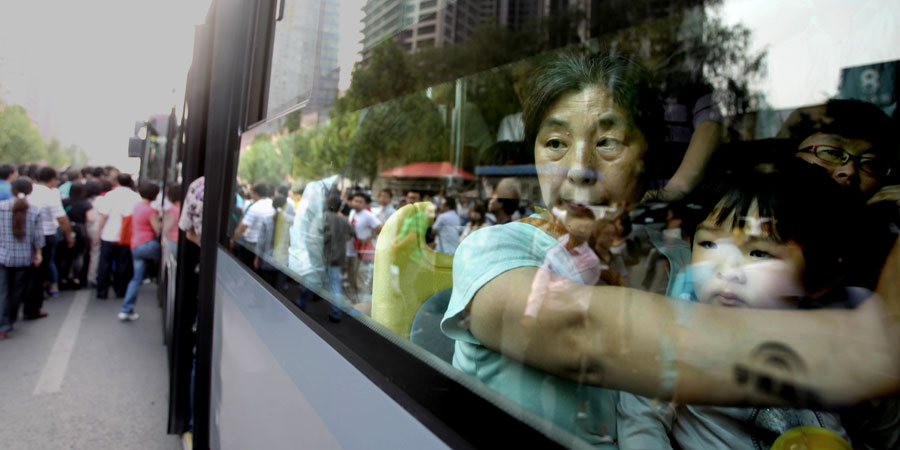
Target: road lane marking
[[57, 363]]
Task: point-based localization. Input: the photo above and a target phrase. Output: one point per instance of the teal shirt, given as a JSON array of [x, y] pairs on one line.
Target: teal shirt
[[64, 189], [587, 412]]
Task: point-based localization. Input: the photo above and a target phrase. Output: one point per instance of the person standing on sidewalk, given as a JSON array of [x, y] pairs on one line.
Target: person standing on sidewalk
[[146, 227], [21, 240]]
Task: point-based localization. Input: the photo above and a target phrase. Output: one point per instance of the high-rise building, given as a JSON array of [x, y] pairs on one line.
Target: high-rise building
[[419, 24], [305, 58]]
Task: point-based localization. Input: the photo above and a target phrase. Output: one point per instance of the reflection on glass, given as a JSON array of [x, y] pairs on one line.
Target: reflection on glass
[[517, 192]]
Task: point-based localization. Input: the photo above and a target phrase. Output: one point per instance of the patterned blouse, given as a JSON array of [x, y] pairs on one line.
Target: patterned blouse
[[19, 252]]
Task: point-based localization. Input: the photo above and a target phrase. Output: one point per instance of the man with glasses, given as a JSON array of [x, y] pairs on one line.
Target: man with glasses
[[851, 140]]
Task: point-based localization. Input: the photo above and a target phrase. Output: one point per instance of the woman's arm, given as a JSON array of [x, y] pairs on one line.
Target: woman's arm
[[704, 142], [155, 223], [657, 347]]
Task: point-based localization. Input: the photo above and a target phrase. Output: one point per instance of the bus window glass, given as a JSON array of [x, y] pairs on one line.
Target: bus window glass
[[562, 203]]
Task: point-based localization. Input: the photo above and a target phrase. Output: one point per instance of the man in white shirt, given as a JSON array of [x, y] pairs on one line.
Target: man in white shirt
[[46, 198], [260, 209], [115, 252], [447, 227], [359, 266], [386, 208]]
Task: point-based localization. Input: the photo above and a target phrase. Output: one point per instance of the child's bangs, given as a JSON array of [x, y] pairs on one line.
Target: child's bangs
[[754, 213]]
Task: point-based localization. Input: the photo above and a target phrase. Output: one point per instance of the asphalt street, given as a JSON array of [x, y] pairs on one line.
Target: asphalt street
[[81, 379]]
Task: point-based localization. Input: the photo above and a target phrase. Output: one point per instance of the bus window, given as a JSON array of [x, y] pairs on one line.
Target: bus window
[[594, 212]]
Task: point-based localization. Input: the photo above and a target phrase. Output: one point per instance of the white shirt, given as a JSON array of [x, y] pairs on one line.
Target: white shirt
[[49, 204], [512, 128], [446, 229], [258, 211], [384, 213], [116, 204], [364, 224]]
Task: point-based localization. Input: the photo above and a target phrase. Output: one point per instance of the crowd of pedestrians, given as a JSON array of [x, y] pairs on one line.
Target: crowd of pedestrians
[[74, 229]]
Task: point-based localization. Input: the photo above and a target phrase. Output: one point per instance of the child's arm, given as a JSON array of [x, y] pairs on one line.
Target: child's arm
[[642, 423]]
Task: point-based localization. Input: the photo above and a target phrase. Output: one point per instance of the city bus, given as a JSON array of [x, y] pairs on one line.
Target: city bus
[[298, 112]]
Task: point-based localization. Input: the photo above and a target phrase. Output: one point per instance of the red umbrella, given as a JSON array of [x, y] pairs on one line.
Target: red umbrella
[[429, 170]]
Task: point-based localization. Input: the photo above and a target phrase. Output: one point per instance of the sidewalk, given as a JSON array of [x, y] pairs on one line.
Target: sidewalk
[[81, 379]]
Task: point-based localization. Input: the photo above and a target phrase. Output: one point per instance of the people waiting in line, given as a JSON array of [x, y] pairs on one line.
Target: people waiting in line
[[146, 226], [7, 175], [46, 198], [259, 209], [115, 262], [361, 254], [447, 227], [70, 261], [335, 238], [21, 241], [477, 219]]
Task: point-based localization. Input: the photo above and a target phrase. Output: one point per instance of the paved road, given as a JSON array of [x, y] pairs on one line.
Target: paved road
[[80, 379]]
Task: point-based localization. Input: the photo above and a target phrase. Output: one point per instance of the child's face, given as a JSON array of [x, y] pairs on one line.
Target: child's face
[[745, 267]]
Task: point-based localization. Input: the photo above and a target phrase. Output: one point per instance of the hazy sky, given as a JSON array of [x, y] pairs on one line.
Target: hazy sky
[[91, 68]]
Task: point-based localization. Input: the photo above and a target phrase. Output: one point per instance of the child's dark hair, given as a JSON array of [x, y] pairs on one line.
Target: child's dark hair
[[796, 202]]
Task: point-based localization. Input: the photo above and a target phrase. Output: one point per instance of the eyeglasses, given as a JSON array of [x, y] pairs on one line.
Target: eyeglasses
[[875, 167]]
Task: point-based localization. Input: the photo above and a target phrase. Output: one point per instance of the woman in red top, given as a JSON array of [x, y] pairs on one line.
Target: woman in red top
[[146, 226]]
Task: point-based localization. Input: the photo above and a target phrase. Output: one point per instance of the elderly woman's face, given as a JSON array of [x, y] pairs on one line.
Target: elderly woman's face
[[588, 153]]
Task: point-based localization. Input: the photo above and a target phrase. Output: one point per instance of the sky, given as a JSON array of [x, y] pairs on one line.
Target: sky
[[87, 70], [808, 42]]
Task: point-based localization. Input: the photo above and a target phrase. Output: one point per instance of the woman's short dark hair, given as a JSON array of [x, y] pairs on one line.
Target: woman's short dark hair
[[94, 188], [46, 174], [125, 180], [148, 190], [630, 86], [262, 189], [6, 170], [451, 202], [279, 201], [173, 192], [77, 192]]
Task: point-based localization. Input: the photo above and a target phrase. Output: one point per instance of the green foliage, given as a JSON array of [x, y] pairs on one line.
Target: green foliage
[[20, 140], [264, 160], [55, 155], [387, 76]]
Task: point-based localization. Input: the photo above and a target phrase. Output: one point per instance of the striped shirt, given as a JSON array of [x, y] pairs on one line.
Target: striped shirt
[[19, 252]]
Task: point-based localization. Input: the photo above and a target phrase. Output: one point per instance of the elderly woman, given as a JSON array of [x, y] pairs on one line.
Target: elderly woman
[[545, 310]]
